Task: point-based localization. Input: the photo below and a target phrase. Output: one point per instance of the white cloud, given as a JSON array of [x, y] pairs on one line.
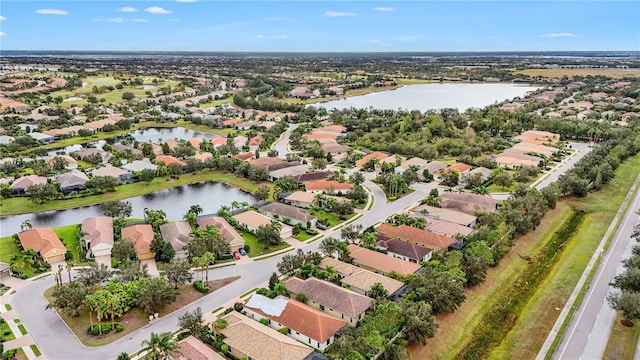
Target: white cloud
[[52, 12], [2, 18], [337, 13], [140, 20], [373, 41], [3, 34], [279, 37], [260, 36], [383, 8], [174, 20], [116, 20], [557, 35], [127, 9], [157, 10]]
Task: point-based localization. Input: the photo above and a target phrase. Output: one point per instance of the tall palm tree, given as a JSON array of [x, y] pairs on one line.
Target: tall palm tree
[[224, 210], [26, 225], [245, 204], [160, 346], [207, 259], [195, 209], [235, 205], [69, 271]]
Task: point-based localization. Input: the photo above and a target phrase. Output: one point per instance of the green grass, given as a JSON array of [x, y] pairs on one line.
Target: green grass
[[622, 341], [7, 306], [256, 248], [302, 236], [35, 350], [23, 330], [216, 102], [22, 205], [4, 327], [248, 292], [217, 309], [8, 248], [68, 236], [540, 313], [333, 218]]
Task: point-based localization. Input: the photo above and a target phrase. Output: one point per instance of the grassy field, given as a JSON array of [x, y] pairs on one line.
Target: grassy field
[[332, 218], [256, 248], [216, 103], [22, 205], [622, 341], [349, 93], [541, 312], [8, 248], [614, 73], [136, 317], [68, 236], [455, 328], [415, 81]]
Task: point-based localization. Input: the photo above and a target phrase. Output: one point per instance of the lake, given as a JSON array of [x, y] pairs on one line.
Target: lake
[[174, 202], [434, 96]]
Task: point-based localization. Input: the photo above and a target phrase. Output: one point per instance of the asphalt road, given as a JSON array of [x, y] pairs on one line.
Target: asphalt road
[[281, 145], [587, 334]]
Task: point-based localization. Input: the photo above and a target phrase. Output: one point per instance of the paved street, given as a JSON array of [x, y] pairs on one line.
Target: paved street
[[588, 333]]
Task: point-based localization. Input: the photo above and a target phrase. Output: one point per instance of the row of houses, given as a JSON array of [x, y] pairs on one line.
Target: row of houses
[[534, 146]]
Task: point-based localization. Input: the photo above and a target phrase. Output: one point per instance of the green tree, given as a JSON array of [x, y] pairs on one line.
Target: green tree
[[155, 293], [378, 292], [443, 290], [450, 178], [102, 184], [42, 193], [163, 250], [128, 96], [273, 280], [262, 193], [160, 346], [178, 272], [132, 270], [94, 274], [627, 303], [269, 234], [123, 250], [192, 322], [357, 178], [69, 299], [123, 356], [117, 209], [419, 324], [147, 175], [207, 259]]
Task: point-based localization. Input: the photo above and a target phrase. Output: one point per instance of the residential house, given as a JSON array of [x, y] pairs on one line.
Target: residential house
[[229, 234], [328, 187], [334, 148], [141, 235], [288, 171], [301, 199], [381, 263], [414, 162], [288, 214], [70, 163], [45, 242], [245, 156], [74, 180], [43, 138], [361, 280], [304, 323], [195, 142], [312, 176], [253, 220], [402, 249], [432, 167], [248, 339], [91, 152], [98, 236], [177, 234], [461, 168], [485, 175], [535, 148], [330, 298], [190, 348], [120, 148], [5, 139], [447, 228], [109, 170], [240, 141], [513, 162], [137, 166], [539, 137], [376, 155], [437, 213], [168, 160], [254, 142], [416, 236], [21, 184], [468, 203]]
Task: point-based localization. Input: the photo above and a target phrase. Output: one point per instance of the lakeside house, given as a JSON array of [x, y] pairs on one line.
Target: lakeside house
[[253, 220], [141, 235], [139, 165], [328, 187], [45, 242], [98, 237], [229, 234], [304, 323], [109, 170], [301, 199], [21, 184], [74, 180], [449, 215], [177, 234], [294, 215]]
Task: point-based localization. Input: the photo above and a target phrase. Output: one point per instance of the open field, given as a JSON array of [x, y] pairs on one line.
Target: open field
[[136, 317], [349, 93], [622, 341], [455, 328], [22, 205], [216, 103], [614, 73]]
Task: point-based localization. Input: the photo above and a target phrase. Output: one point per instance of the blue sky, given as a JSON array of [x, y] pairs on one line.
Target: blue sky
[[351, 26]]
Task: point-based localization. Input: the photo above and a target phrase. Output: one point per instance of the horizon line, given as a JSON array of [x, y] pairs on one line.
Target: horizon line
[[323, 51]]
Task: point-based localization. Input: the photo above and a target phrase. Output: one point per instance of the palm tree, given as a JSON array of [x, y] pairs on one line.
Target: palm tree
[[69, 271], [160, 346], [26, 225], [235, 205], [223, 210], [198, 263], [207, 259], [195, 209], [343, 250], [245, 204], [19, 263], [481, 190]]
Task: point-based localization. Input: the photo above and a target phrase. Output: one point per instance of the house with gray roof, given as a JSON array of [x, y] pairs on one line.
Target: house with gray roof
[[139, 165], [91, 152], [43, 138], [282, 212], [290, 171], [73, 180], [110, 170], [403, 249], [177, 234]]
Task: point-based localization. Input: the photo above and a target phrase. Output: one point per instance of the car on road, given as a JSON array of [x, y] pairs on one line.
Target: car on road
[[321, 226], [236, 255], [243, 252]]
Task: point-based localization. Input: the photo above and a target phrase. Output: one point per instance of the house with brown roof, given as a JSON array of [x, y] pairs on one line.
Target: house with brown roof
[[381, 263], [99, 236], [539, 137], [402, 249], [437, 213], [312, 176], [195, 142], [376, 155], [461, 168], [190, 348], [330, 298], [168, 160], [253, 220], [432, 167], [177, 234], [109, 170], [334, 148], [328, 187], [468, 203], [304, 323], [301, 199], [448, 228], [229, 234], [21, 184], [245, 156], [248, 339], [45, 242], [288, 214], [254, 142], [70, 163], [416, 236], [361, 280], [288, 171], [141, 235], [85, 153]]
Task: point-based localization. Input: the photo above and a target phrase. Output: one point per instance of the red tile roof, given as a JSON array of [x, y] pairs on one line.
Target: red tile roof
[[324, 185], [141, 235], [381, 262], [43, 241], [415, 235], [167, 160]]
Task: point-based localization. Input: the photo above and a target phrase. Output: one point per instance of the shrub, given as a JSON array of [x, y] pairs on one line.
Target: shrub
[[238, 307], [283, 330], [264, 321], [200, 286], [247, 248], [311, 232], [227, 310], [119, 327]]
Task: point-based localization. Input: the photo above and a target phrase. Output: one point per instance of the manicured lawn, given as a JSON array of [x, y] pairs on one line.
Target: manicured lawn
[[8, 248], [332, 218], [539, 315], [622, 341], [22, 205], [302, 236], [216, 102], [256, 248], [35, 350], [68, 236], [3, 329], [136, 317], [206, 129], [23, 330]]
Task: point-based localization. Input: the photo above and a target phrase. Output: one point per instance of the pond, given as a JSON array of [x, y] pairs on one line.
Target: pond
[[174, 202], [425, 97]]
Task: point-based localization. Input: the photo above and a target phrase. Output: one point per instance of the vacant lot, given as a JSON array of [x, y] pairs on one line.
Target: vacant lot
[[614, 73]]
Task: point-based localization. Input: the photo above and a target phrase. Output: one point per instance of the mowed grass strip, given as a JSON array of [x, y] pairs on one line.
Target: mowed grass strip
[[539, 315], [622, 341]]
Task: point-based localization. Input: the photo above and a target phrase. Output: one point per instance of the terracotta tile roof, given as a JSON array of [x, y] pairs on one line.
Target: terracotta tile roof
[[167, 160], [219, 140], [194, 349], [244, 156], [459, 167], [374, 155], [176, 233], [261, 342], [404, 248], [381, 262], [265, 161], [323, 185], [297, 317], [416, 236], [252, 219], [99, 230], [312, 176], [43, 241], [26, 181], [361, 278], [445, 214], [109, 170], [334, 148], [141, 235], [333, 127], [330, 295], [447, 228], [256, 140], [227, 231], [469, 203], [195, 142], [284, 210]]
